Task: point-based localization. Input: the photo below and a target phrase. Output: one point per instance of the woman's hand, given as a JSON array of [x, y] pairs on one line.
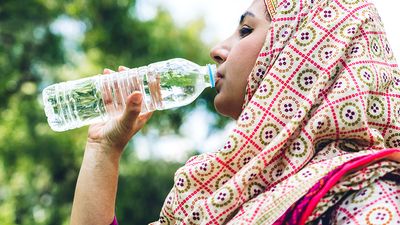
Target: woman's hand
[[114, 134], [96, 188]]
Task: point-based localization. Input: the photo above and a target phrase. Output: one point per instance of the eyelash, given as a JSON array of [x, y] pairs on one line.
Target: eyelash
[[245, 30]]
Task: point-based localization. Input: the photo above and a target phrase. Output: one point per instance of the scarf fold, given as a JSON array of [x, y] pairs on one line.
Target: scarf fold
[[325, 90]]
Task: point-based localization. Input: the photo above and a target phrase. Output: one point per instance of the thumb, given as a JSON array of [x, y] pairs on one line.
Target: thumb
[[132, 109]]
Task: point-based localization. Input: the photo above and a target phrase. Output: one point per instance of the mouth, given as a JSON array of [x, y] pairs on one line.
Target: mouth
[[218, 79]]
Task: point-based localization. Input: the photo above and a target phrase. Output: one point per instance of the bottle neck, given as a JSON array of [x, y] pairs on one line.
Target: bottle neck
[[209, 74]]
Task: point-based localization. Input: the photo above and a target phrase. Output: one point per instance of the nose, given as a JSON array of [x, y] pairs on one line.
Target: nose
[[219, 53]]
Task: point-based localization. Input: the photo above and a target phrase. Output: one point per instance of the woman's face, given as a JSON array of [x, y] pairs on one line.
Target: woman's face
[[236, 57]]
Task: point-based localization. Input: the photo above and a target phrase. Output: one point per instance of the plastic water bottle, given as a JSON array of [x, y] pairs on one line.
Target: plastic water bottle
[[164, 85]]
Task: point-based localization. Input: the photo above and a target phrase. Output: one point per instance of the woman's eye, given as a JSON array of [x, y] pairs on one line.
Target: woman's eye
[[244, 31]]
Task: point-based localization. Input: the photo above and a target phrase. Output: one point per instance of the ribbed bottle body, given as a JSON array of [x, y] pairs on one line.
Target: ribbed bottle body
[[164, 85]]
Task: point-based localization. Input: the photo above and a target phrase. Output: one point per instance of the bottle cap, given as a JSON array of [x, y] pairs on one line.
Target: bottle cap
[[211, 72]]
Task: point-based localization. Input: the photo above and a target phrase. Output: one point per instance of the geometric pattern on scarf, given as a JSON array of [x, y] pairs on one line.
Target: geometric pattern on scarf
[[324, 90], [378, 203], [353, 184]]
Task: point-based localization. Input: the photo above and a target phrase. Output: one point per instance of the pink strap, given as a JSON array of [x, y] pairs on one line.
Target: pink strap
[[114, 222], [350, 166]]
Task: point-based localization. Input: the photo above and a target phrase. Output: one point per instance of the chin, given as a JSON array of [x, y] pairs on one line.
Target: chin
[[219, 105], [223, 107]]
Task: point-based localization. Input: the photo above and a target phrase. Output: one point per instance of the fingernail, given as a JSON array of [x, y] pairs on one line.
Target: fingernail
[[107, 71], [137, 98], [123, 68]]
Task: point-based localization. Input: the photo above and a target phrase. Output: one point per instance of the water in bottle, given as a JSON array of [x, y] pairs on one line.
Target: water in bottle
[[164, 85]]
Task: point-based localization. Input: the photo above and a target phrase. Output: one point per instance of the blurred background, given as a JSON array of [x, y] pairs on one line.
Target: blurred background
[[47, 41]]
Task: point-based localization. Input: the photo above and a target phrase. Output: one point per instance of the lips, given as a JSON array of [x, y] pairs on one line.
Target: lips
[[218, 79]]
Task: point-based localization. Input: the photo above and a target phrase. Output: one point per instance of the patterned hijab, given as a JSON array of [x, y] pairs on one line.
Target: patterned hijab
[[324, 92]]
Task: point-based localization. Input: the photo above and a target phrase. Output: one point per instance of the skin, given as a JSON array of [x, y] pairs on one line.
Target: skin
[[96, 188], [236, 57], [95, 193]]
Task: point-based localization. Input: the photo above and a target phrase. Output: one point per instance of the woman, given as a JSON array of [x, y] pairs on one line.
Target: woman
[[317, 132]]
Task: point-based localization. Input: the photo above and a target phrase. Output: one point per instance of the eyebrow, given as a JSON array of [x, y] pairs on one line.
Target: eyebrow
[[242, 17]]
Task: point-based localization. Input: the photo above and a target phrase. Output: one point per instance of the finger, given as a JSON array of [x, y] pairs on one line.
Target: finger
[[107, 71], [107, 97], [122, 68], [144, 116], [126, 88], [113, 87], [158, 88], [132, 109]]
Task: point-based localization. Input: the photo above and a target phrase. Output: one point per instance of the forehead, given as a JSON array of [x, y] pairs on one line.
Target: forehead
[[257, 7]]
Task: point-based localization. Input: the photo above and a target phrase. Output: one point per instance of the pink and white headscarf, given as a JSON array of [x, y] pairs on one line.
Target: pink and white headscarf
[[322, 100]]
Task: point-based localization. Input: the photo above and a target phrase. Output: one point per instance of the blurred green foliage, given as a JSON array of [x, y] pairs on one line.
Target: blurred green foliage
[[39, 167]]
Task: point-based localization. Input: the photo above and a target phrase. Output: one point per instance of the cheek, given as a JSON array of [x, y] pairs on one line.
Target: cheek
[[243, 56], [239, 64], [243, 59]]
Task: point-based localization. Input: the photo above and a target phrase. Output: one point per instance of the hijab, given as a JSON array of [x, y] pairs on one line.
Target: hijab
[[324, 91]]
